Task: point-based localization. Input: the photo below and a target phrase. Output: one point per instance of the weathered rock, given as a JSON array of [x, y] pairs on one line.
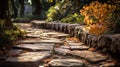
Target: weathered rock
[[92, 57], [41, 41], [49, 25], [66, 63], [14, 52], [34, 47], [75, 44], [61, 35], [78, 30], [65, 47], [92, 41], [57, 26], [53, 26], [114, 47], [52, 41], [49, 38], [52, 33], [32, 36], [61, 27], [29, 59], [83, 37], [108, 65], [61, 51], [65, 28], [103, 42], [38, 24], [81, 47], [71, 28]]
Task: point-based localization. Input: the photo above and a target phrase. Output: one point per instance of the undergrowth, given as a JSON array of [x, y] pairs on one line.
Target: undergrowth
[[9, 35]]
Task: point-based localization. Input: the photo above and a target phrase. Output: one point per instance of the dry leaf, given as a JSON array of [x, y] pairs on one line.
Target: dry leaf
[[92, 49]]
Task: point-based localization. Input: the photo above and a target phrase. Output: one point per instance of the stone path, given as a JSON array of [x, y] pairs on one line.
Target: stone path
[[48, 48]]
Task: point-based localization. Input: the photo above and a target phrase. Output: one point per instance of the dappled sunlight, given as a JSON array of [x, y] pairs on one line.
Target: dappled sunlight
[[59, 33]]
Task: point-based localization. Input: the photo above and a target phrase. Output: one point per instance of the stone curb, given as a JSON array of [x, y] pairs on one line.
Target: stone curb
[[106, 43]]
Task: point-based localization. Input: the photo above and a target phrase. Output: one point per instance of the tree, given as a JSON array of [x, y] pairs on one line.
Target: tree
[[36, 7], [14, 6], [21, 8], [4, 12]]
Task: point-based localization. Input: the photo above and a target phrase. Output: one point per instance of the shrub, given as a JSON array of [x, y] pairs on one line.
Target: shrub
[[8, 36], [97, 16], [62, 9], [73, 18]]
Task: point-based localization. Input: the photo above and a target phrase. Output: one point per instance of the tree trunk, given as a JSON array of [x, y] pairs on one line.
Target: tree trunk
[[36, 6], [14, 8], [4, 12], [21, 8]]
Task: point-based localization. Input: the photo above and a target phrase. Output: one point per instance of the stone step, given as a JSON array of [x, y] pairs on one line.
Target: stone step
[[34, 47], [61, 36], [76, 47], [75, 44], [41, 41], [66, 63], [92, 57], [14, 52], [32, 36], [29, 59], [61, 51]]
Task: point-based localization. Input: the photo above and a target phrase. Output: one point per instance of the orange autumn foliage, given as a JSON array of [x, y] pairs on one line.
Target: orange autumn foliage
[[97, 16]]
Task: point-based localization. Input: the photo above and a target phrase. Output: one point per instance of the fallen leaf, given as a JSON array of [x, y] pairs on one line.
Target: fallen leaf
[[92, 49], [46, 60]]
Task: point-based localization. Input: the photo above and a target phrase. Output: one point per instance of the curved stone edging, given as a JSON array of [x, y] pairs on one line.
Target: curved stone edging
[[105, 43]]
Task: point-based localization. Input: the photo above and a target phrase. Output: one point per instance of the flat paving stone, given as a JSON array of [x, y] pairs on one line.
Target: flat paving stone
[[75, 44], [108, 65], [53, 41], [66, 63], [14, 52], [61, 35], [51, 33], [92, 57], [41, 41], [32, 36], [29, 59], [82, 47], [61, 51], [34, 47], [77, 47], [49, 38]]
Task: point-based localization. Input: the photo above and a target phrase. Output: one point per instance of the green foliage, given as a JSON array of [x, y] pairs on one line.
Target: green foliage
[[8, 36], [62, 9], [73, 18], [52, 14], [114, 24]]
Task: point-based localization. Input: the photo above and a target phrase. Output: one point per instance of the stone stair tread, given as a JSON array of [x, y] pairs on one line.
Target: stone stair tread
[[61, 35], [34, 47], [61, 51], [14, 52], [75, 44], [29, 59], [32, 36], [76, 47], [66, 63], [92, 57], [41, 41]]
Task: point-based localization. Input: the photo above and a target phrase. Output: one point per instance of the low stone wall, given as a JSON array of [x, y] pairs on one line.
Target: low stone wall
[[104, 43]]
